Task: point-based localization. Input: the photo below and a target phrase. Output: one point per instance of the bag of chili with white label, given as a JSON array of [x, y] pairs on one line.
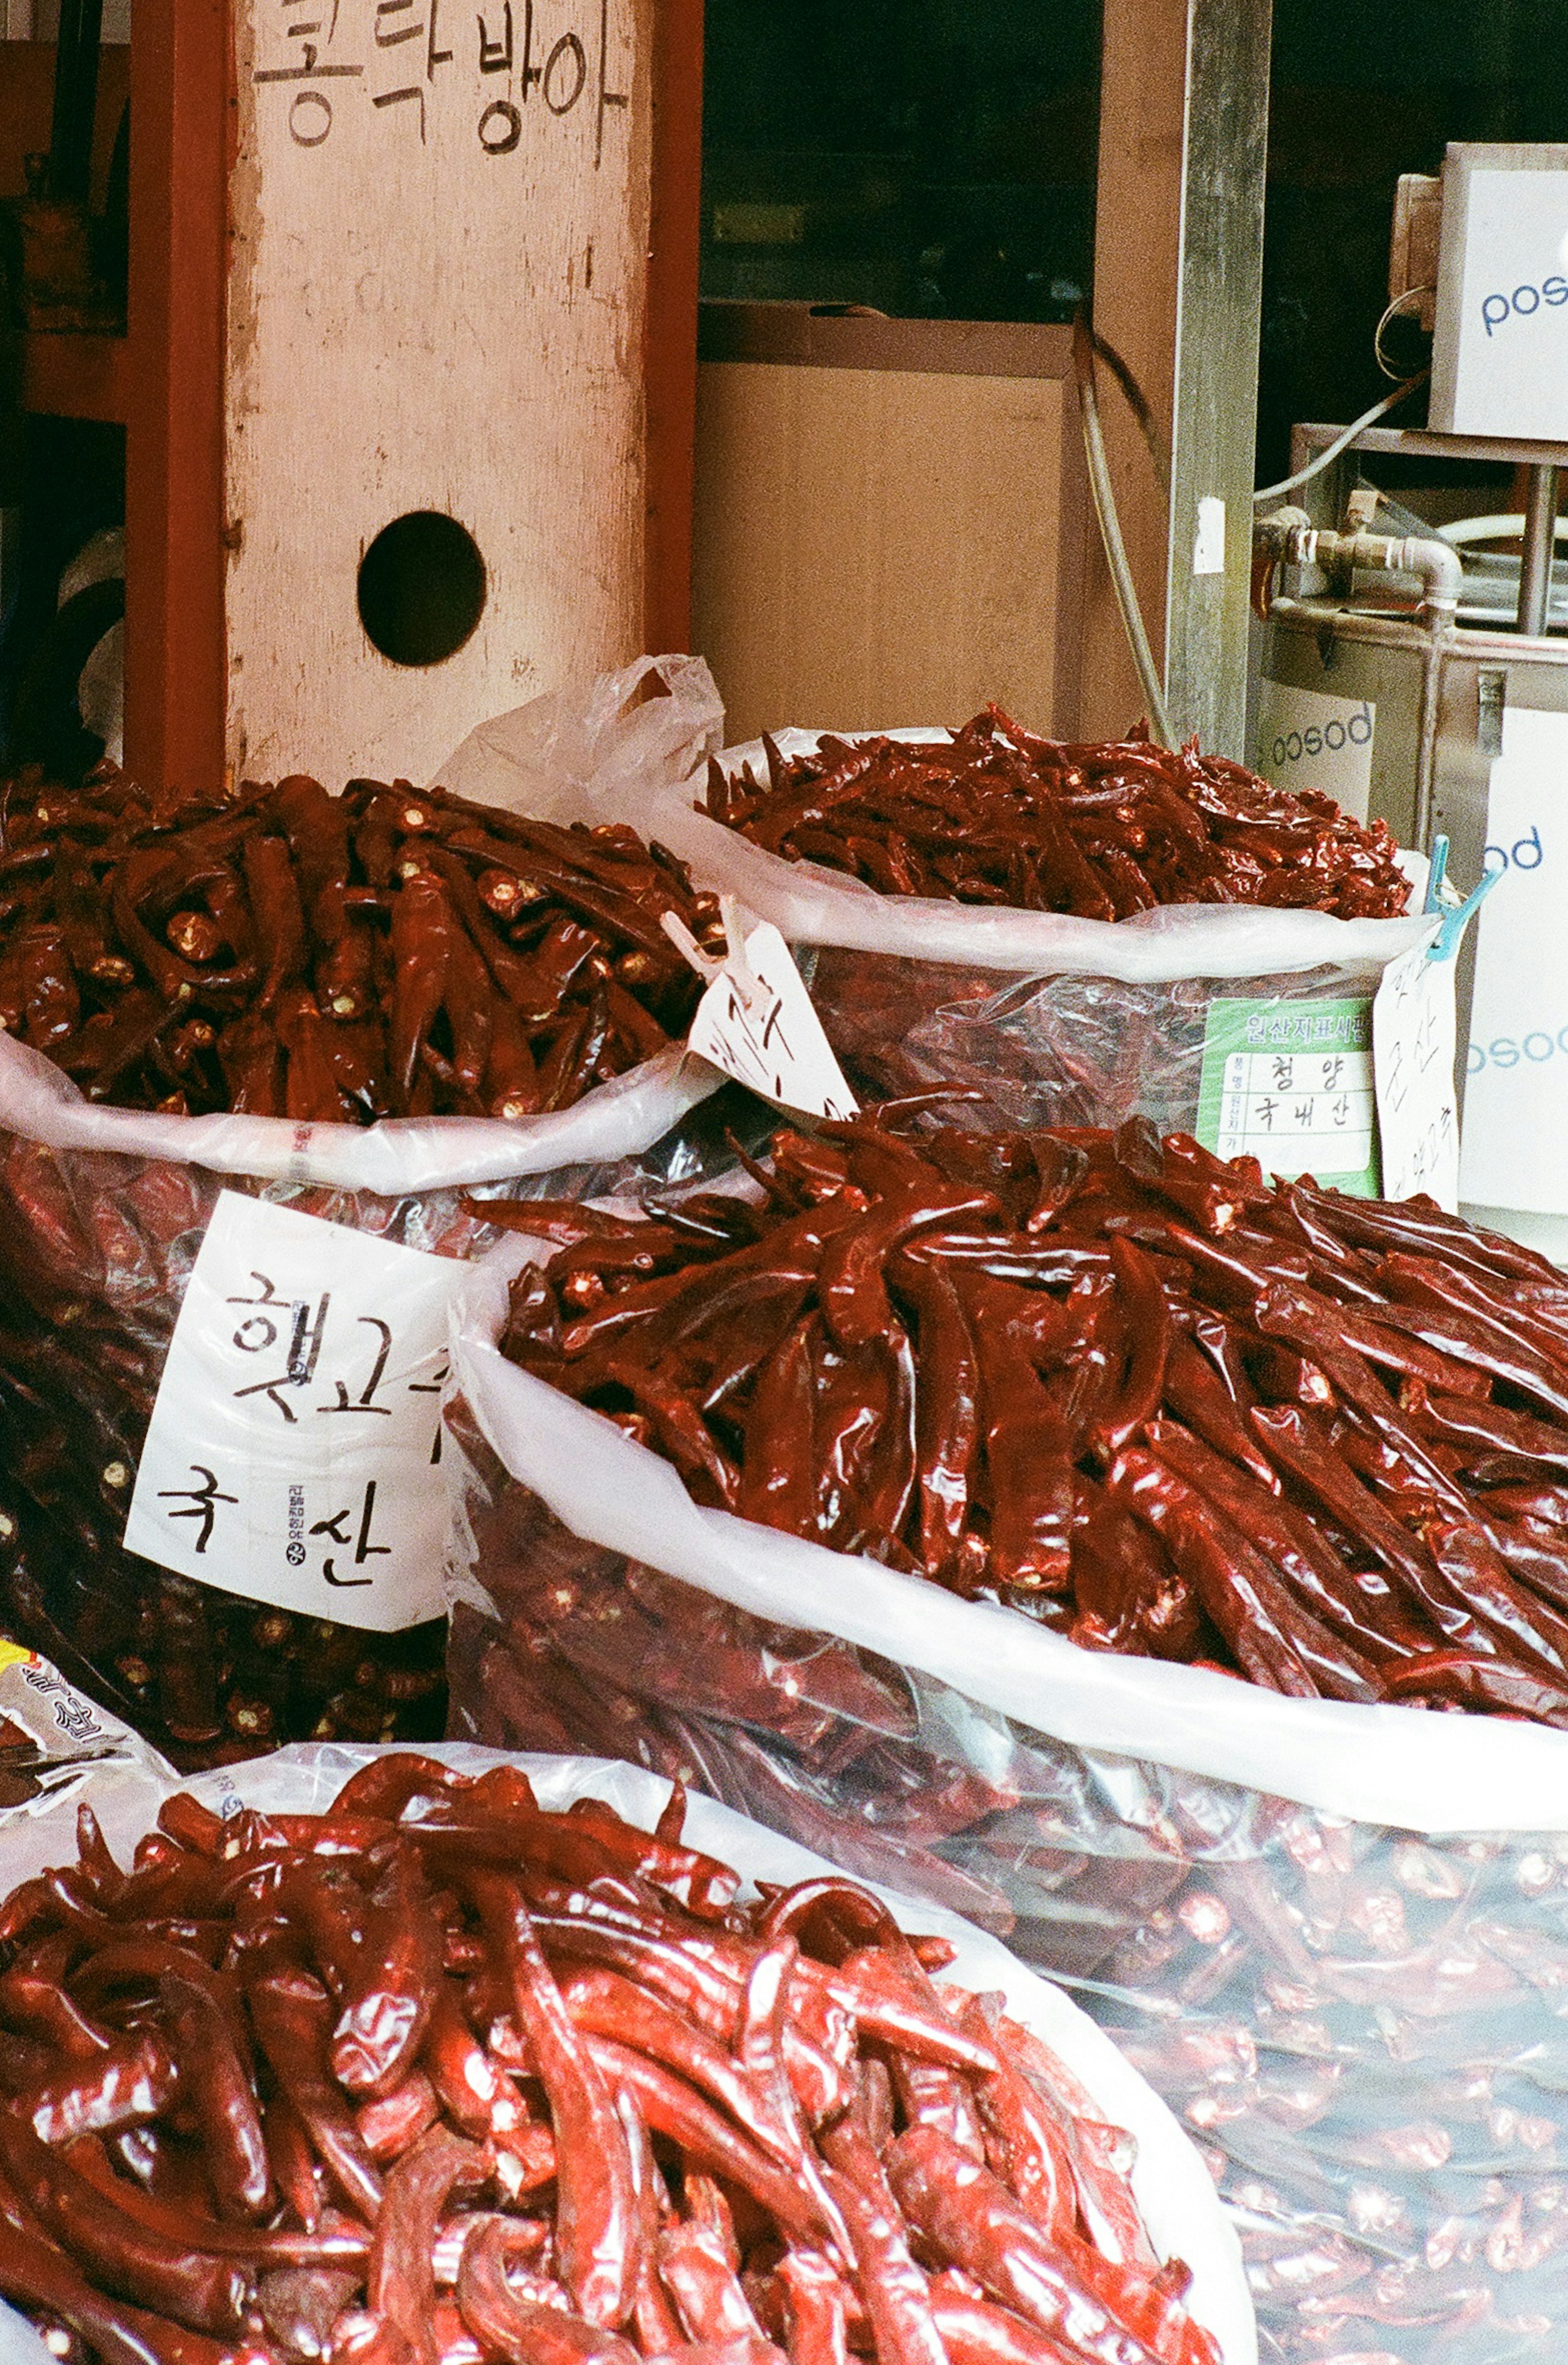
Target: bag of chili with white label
[[1330, 1927], [718, 2129], [1070, 934], [224, 1268]]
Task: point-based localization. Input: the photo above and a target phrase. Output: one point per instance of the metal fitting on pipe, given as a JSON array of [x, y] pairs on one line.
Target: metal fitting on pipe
[[1290, 539]]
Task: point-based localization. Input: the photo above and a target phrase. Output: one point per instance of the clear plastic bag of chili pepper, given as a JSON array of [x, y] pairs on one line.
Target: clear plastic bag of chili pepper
[[1335, 1933], [626, 2074], [263, 1602], [1003, 966], [200, 1374]]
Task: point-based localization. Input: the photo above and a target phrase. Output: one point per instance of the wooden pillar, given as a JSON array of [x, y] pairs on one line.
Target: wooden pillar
[[1220, 298], [670, 340], [1178, 268], [419, 265], [1137, 247], [181, 113], [440, 221]]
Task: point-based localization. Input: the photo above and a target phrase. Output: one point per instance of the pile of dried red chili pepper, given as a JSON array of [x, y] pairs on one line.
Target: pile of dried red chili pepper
[[1134, 1390], [384, 953], [998, 815], [438, 2077]]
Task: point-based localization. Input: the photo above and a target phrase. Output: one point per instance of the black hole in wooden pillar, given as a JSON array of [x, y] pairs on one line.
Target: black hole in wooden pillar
[[421, 588]]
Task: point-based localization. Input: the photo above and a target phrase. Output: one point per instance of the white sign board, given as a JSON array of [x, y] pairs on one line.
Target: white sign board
[[1209, 538], [292, 1455], [1308, 739], [1516, 1109], [1500, 352]]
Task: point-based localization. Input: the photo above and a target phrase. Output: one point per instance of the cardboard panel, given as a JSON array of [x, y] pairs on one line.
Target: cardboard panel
[[879, 546]]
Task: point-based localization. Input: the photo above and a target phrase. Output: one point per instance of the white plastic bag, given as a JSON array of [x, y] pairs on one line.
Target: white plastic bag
[[1173, 2192], [654, 723], [517, 756], [1398, 1765], [396, 1159], [57, 1747], [814, 905], [567, 756], [1334, 1937], [1049, 1019]]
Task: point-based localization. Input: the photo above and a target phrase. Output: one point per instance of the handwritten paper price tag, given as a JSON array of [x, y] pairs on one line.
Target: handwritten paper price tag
[[1413, 1053], [292, 1455], [757, 1023]]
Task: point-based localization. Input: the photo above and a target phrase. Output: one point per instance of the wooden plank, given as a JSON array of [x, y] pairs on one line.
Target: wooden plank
[[675, 241], [811, 339], [1137, 249], [180, 113], [68, 376], [878, 547], [439, 237]]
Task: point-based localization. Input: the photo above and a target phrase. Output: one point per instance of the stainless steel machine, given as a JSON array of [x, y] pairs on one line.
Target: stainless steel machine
[[1420, 674]]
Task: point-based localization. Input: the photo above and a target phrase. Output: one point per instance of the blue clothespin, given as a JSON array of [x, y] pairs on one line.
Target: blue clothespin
[[1436, 873], [1456, 915]]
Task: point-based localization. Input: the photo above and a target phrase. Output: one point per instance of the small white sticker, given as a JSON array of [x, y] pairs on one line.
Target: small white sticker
[[292, 1455], [763, 1030], [1413, 1053], [1306, 739], [1208, 543]]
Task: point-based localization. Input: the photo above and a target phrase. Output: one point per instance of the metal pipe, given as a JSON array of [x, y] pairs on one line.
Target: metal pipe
[[1439, 639], [1105, 498], [1294, 544], [1535, 566], [1387, 632]]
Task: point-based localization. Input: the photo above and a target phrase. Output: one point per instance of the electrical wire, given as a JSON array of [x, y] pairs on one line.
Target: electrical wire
[[1086, 344], [1139, 404], [1398, 304], [1105, 502], [1332, 451]]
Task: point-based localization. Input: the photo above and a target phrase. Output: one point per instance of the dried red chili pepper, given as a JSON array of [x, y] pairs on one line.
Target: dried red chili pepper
[[995, 815], [741, 2210], [363, 912], [1159, 1423]]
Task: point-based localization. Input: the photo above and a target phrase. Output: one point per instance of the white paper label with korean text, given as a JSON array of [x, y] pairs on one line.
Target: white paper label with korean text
[[294, 1450], [1307, 739], [771, 1040], [1413, 1051], [1290, 1083], [1515, 1152]]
